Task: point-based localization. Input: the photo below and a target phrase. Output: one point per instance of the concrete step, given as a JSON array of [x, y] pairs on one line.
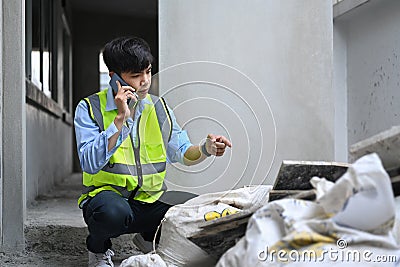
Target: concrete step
[[55, 226], [386, 144]]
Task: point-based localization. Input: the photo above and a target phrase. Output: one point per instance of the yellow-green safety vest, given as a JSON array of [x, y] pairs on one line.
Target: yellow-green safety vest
[[132, 171]]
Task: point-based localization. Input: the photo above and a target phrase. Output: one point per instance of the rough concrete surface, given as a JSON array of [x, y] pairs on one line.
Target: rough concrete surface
[[386, 144], [55, 232]]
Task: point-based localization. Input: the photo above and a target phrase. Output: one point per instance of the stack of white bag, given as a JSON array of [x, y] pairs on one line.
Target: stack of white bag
[[350, 224], [146, 260], [182, 221]]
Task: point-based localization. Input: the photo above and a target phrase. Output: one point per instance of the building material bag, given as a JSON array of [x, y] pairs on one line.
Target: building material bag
[[181, 221], [396, 227], [146, 260], [350, 224]]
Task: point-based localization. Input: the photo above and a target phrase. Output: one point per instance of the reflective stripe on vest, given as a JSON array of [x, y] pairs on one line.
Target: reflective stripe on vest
[[124, 171], [95, 110], [122, 190], [164, 119], [151, 168]]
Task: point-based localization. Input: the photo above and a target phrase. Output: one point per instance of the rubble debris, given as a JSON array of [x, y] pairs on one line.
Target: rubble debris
[[293, 179]]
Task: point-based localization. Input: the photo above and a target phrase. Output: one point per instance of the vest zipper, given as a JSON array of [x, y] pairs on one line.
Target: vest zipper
[[136, 151]]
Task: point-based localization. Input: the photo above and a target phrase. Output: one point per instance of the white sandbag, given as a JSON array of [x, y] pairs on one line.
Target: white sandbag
[[365, 187], [396, 227], [147, 260], [183, 220], [291, 232]]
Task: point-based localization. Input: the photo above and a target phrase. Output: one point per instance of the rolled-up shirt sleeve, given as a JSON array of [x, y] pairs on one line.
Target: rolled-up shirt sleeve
[[179, 142], [92, 144]]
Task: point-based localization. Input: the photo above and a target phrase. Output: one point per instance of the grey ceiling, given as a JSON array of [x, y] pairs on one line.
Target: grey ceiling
[[137, 8]]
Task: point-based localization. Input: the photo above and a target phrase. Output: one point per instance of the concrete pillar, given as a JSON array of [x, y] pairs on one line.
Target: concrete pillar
[[270, 90], [13, 175], [340, 89], [1, 124]]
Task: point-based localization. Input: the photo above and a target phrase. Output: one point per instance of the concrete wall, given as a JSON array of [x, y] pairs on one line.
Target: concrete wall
[[340, 88], [1, 125], [48, 151], [373, 68], [48, 138], [90, 33], [285, 50], [36, 147]]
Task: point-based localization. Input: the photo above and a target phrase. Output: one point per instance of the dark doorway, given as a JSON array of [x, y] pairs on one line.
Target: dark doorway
[[94, 23]]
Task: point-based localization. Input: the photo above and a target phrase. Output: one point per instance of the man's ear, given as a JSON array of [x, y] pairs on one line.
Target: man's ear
[[111, 73]]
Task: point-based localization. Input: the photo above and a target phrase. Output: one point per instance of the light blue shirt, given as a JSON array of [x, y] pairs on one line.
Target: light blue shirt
[[93, 145]]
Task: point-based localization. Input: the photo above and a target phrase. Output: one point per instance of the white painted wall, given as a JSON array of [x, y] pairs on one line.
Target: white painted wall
[[285, 48], [373, 68]]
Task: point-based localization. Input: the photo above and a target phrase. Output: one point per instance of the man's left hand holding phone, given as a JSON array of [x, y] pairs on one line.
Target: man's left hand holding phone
[[125, 98]]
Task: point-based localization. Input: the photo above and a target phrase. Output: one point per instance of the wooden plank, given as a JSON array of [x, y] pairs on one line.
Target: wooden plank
[[396, 185], [219, 235], [297, 194], [219, 242]]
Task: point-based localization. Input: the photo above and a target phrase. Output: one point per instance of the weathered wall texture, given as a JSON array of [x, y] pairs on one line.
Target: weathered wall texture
[[48, 151], [373, 68]]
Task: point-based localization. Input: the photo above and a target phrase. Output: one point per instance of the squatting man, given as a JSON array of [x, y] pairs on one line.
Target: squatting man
[[125, 136]]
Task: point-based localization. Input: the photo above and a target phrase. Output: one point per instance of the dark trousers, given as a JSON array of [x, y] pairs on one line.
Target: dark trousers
[[109, 215]]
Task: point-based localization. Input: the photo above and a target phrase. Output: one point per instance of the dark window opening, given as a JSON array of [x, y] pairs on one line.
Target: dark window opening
[[48, 53], [66, 69], [39, 27]]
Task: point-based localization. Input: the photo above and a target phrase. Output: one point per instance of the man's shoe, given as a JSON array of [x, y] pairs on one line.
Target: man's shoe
[[101, 259], [143, 245]]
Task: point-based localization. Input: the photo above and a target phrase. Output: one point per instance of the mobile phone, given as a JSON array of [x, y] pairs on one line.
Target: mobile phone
[[113, 83]]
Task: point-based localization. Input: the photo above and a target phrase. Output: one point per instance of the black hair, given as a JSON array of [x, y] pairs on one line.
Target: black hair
[[127, 54]]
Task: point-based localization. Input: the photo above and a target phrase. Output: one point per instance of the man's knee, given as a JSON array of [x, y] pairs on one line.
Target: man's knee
[[108, 214]]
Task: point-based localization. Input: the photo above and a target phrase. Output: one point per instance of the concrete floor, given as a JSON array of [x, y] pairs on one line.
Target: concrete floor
[[56, 232]]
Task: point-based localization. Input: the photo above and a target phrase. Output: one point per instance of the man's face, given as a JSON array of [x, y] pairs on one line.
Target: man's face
[[140, 81]]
